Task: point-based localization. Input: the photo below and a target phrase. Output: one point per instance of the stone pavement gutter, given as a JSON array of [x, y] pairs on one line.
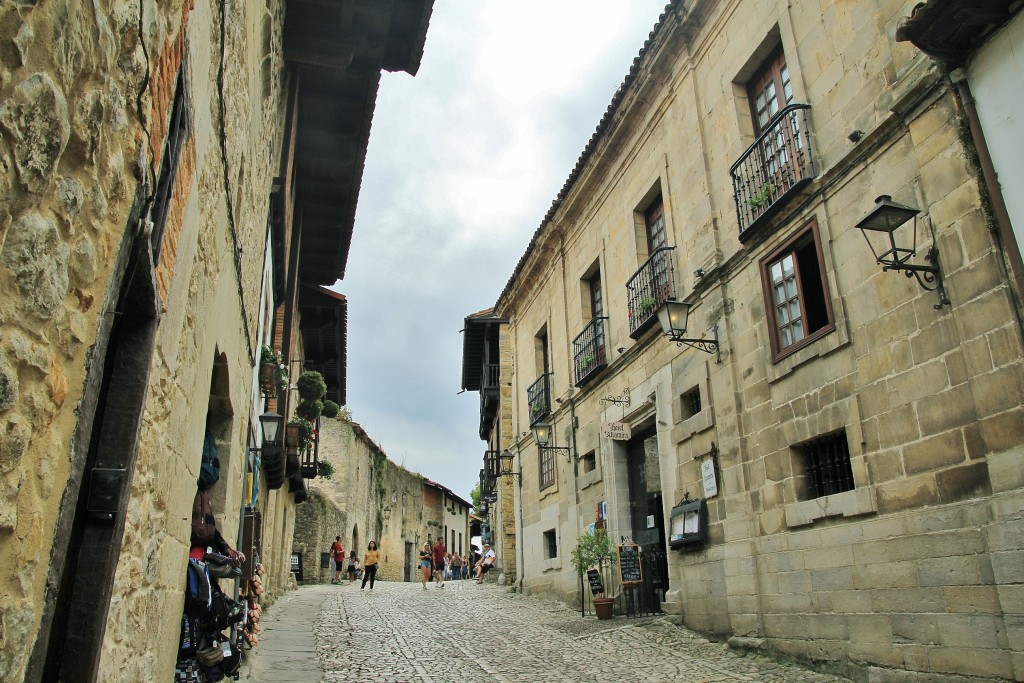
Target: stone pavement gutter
[[287, 650]]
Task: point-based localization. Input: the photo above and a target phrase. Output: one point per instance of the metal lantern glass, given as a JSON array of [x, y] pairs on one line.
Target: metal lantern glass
[[270, 424], [542, 434], [674, 317], [885, 217], [506, 462]]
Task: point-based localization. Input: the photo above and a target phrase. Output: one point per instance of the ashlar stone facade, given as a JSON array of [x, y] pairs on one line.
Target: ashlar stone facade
[[857, 442]]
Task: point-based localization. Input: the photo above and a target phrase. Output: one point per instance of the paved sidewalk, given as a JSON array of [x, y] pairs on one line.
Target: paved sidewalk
[[473, 634]]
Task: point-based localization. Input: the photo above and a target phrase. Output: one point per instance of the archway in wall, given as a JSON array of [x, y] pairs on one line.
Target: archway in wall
[[355, 542]]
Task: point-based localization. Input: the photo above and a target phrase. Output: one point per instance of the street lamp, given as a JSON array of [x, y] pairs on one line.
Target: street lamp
[[886, 217], [387, 513], [542, 435], [674, 317], [270, 425]]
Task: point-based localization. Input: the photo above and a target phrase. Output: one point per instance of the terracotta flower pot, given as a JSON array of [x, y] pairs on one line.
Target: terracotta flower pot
[[603, 607]]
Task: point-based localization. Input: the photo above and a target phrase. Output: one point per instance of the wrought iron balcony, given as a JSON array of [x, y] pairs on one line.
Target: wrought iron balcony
[[649, 287], [538, 397], [589, 353], [776, 165]]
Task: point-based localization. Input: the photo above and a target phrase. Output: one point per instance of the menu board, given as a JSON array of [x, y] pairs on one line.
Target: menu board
[[594, 577], [629, 564]]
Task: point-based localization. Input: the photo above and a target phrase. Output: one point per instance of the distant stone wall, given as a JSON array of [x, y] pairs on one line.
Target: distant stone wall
[[317, 522]]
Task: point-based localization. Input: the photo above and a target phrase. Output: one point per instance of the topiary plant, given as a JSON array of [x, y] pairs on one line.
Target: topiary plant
[[311, 385], [310, 410], [330, 409]]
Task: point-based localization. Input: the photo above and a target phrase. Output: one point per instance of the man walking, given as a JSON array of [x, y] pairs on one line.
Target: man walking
[[339, 558], [439, 552]]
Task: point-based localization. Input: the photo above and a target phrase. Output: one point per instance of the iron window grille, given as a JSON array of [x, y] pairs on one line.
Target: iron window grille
[[589, 353], [538, 397], [691, 402], [827, 468], [650, 286]]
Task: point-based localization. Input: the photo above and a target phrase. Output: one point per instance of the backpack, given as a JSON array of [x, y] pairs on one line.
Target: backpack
[[204, 526], [197, 592], [209, 468]]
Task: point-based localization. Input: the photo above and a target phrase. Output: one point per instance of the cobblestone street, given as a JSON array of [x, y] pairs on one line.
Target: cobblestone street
[[470, 633]]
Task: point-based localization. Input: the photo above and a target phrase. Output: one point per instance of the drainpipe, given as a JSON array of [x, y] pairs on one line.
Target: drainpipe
[[1004, 234]]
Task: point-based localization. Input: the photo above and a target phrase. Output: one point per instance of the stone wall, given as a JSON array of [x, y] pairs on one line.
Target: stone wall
[[352, 505], [85, 105]]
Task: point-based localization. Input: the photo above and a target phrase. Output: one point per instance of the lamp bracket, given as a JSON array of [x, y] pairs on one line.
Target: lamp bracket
[[705, 345], [623, 400], [928, 277]]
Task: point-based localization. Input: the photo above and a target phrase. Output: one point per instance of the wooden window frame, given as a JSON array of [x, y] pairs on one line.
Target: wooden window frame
[[546, 468], [778, 351]]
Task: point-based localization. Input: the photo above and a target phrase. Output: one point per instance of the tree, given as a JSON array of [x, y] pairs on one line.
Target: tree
[[475, 497]]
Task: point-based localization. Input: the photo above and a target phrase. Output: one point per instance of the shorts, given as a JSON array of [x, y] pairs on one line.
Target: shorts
[[484, 568], [338, 564], [425, 563]]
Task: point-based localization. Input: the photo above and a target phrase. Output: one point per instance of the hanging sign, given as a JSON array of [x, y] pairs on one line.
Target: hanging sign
[[707, 472], [620, 431]]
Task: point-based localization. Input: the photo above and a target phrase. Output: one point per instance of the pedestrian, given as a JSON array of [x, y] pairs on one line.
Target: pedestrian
[[439, 552], [370, 559], [353, 562], [485, 563], [425, 562], [456, 566], [338, 553]]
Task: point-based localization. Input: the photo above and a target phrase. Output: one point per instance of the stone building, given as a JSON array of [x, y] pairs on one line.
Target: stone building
[[849, 440], [169, 174], [369, 497]]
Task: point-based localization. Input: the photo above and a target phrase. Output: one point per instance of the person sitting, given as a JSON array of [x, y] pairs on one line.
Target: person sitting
[[485, 563]]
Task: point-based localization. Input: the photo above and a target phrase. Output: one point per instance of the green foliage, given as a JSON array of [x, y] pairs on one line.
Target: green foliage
[[324, 469], [306, 431], [311, 386], [269, 355], [762, 197], [474, 495], [644, 305], [331, 409], [593, 550], [309, 409]]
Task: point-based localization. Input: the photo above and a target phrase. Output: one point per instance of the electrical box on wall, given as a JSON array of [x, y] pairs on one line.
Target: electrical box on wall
[[689, 525]]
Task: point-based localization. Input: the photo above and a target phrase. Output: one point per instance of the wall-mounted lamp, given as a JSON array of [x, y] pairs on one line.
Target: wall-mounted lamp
[[506, 465], [270, 425], [886, 217], [542, 435], [387, 513], [674, 317]]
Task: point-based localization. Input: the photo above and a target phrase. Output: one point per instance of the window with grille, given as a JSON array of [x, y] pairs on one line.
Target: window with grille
[[547, 468], [550, 544], [691, 402], [796, 293], [826, 465]]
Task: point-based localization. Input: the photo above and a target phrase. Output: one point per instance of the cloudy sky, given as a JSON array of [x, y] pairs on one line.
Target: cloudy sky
[[463, 163]]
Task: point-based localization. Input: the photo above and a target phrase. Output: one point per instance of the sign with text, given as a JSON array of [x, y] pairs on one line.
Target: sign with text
[[629, 564], [594, 578], [707, 473], [620, 431]]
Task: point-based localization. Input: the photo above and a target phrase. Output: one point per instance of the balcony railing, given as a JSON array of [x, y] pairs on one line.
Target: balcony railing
[[589, 352], [489, 377], [310, 455], [778, 163], [651, 286], [538, 396]]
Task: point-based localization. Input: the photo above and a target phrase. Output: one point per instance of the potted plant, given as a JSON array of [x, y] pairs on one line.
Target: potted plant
[[644, 305], [595, 550], [311, 386], [270, 368], [762, 197]]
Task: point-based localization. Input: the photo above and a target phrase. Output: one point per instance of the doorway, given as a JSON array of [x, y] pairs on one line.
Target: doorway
[[647, 518]]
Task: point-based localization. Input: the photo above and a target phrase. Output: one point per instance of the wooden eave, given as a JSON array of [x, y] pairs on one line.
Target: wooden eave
[[950, 30], [336, 49]]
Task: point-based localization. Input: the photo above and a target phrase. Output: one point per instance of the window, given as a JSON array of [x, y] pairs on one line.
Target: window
[[654, 220], [826, 466], [770, 90], [796, 293], [547, 468], [589, 462], [691, 403], [550, 544]]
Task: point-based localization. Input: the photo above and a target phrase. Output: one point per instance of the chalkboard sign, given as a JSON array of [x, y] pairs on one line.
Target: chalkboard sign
[[629, 564], [594, 577]]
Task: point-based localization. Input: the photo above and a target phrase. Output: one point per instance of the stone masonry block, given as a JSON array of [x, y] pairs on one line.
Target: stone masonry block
[[884, 575], [1004, 431], [971, 661], [972, 599], [898, 426], [1008, 567], [934, 453], [946, 410], [963, 482], [906, 494], [997, 391], [948, 571]]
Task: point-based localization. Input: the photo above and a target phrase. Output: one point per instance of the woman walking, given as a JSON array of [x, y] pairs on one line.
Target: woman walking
[[370, 560], [425, 564]]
